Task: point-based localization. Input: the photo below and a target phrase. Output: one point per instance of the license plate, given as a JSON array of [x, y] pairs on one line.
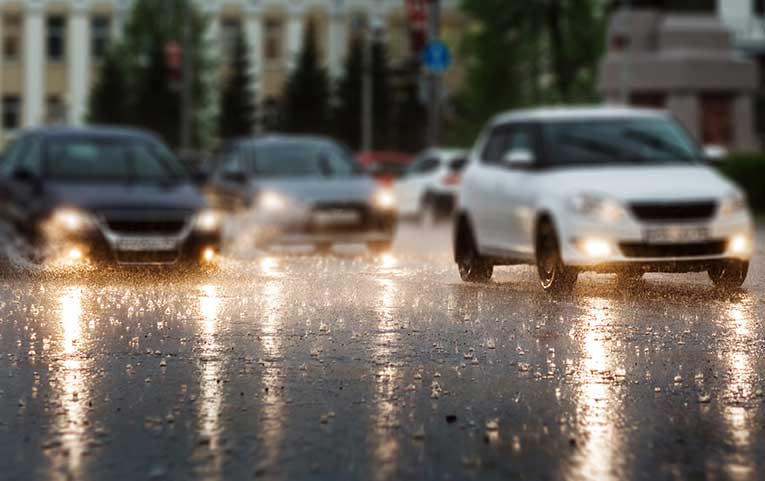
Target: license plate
[[141, 244], [336, 217], [676, 234]]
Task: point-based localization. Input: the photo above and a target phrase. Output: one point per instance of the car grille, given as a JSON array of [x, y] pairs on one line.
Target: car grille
[[152, 257], [698, 249], [146, 227], [674, 211]]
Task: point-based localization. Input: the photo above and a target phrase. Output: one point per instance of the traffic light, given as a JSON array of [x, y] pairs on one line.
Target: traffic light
[[174, 60]]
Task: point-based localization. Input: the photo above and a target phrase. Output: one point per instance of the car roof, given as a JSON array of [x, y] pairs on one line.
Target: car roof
[[92, 131], [278, 139], [552, 114]]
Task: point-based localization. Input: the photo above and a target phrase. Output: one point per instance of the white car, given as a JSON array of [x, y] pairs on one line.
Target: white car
[[613, 190], [430, 186]]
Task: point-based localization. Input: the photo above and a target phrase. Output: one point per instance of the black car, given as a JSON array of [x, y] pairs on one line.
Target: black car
[[303, 190], [105, 195]]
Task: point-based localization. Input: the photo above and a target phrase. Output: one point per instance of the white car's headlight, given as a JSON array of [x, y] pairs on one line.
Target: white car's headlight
[[384, 199], [72, 220], [733, 203], [273, 202], [209, 220], [598, 207]]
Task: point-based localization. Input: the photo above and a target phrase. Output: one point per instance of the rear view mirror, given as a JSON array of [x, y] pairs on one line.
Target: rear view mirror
[[519, 158], [715, 154]]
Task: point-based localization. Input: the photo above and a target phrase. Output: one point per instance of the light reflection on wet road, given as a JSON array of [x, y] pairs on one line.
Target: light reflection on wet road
[[353, 366]]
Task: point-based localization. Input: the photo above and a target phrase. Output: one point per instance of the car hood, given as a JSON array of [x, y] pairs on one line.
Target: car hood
[[313, 190], [659, 183], [109, 197]]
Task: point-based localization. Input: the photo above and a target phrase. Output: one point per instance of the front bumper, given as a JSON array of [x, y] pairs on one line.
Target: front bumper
[[625, 246], [98, 246]]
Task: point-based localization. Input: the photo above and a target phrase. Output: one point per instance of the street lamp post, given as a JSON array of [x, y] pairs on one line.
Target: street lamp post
[[187, 93], [434, 79]]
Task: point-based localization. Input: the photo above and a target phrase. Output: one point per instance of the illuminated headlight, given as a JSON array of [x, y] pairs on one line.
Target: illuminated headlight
[[595, 247], [740, 245], [597, 207], [733, 203], [384, 200], [273, 202], [72, 220], [209, 220]]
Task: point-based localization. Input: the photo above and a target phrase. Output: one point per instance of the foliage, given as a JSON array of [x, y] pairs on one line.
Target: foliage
[[108, 104], [305, 106], [149, 93], [529, 53], [238, 104], [747, 170]]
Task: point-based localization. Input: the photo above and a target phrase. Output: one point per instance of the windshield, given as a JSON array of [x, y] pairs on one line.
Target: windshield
[[91, 159], [619, 141], [308, 159]]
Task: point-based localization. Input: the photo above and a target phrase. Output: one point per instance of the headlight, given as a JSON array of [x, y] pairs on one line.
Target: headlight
[[273, 202], [384, 199], [209, 220], [72, 220], [733, 203], [601, 208]]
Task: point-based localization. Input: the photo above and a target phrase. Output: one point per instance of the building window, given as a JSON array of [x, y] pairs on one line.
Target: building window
[[229, 32], [56, 38], [100, 36], [55, 110], [273, 40], [11, 38], [11, 112]]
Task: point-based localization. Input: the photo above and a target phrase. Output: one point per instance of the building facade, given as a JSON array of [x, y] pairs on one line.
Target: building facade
[[50, 50]]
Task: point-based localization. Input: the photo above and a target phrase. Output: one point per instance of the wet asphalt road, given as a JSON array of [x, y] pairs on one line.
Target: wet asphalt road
[[353, 366]]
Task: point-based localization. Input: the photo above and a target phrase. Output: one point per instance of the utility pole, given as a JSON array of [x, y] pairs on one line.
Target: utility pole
[[434, 79], [187, 82]]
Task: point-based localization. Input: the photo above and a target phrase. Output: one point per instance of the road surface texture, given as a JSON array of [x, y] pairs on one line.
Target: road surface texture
[[356, 367]]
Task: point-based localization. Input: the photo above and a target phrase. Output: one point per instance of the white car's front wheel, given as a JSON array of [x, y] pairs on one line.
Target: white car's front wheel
[[729, 274], [554, 275]]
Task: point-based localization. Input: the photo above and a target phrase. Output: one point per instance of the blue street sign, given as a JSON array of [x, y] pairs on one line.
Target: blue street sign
[[436, 57]]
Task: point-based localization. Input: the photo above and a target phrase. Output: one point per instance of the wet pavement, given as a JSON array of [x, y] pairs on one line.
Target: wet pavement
[[352, 366]]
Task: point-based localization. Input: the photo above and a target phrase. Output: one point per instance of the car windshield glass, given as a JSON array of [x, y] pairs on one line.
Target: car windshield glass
[[619, 141], [302, 159], [98, 159]]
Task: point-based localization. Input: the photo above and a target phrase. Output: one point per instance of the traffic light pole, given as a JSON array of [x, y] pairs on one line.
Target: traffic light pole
[[367, 88], [434, 79]]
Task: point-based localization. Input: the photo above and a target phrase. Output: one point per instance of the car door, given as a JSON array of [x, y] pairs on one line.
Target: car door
[[514, 193], [21, 183], [410, 190], [481, 187]]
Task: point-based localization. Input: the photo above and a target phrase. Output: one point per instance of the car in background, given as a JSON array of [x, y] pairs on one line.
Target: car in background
[[429, 189], [385, 167], [302, 190], [105, 195], [611, 190]]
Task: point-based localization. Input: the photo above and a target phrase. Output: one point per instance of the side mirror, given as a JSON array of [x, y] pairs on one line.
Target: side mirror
[[715, 154], [236, 177], [519, 158]]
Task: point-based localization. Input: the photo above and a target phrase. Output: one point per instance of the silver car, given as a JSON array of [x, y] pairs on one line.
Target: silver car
[[302, 190]]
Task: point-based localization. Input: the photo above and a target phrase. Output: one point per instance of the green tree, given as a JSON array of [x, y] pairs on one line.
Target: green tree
[[381, 96], [347, 111], [105, 107], [305, 103], [151, 94], [528, 53], [238, 106]]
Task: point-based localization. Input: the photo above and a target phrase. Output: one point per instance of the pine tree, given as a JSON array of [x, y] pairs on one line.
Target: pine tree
[[305, 105], [238, 107], [381, 96], [157, 103], [108, 103], [347, 113]]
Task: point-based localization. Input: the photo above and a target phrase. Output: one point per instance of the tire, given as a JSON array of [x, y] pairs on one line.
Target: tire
[[380, 247], [427, 215], [473, 267], [729, 274], [554, 275]]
